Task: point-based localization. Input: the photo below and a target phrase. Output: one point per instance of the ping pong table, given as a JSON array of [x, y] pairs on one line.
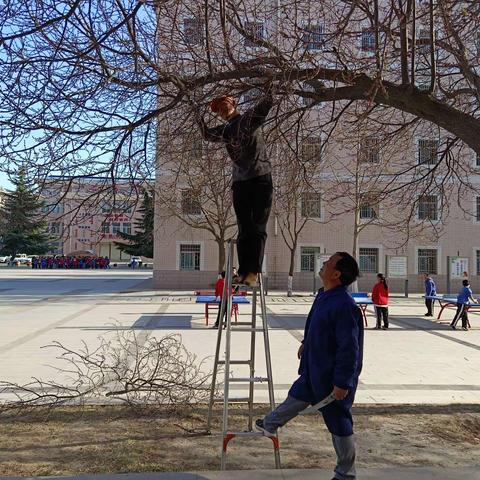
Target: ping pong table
[[211, 301], [450, 301]]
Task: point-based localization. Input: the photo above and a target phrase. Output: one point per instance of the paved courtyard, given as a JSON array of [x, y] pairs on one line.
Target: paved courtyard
[[416, 361]]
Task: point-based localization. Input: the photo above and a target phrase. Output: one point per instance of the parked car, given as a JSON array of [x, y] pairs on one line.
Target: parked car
[[4, 259], [23, 258], [138, 261]]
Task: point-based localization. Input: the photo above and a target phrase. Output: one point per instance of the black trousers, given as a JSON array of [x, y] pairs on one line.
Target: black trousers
[[382, 312], [252, 201], [429, 305], [461, 313]]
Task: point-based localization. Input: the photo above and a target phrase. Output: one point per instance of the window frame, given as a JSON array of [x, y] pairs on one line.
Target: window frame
[[437, 259], [417, 143], [181, 244], [263, 23], [377, 260], [318, 200], [371, 31], [300, 256], [437, 208], [318, 46], [192, 200], [365, 151], [201, 30]]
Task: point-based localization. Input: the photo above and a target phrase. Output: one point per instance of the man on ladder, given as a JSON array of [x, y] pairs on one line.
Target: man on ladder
[[252, 177], [330, 363]]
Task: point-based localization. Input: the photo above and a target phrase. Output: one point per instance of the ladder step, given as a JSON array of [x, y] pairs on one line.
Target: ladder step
[[248, 379], [245, 434], [246, 329], [232, 400], [235, 362]]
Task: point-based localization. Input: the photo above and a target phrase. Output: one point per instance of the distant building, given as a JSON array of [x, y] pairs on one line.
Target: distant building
[[87, 214]]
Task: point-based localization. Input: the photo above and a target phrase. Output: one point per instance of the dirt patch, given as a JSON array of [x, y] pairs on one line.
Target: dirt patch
[[113, 440]]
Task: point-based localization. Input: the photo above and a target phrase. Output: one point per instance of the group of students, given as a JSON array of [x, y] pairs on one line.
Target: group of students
[[70, 262]]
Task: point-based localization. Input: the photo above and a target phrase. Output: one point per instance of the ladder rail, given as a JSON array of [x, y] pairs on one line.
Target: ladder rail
[[225, 319], [228, 338]]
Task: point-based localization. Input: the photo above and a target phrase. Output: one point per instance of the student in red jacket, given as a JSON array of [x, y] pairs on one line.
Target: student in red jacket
[[218, 295], [380, 300]]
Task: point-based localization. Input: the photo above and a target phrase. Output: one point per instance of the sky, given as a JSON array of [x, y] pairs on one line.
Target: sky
[[4, 183]]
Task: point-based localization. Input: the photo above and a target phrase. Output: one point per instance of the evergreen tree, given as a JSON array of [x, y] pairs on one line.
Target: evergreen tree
[[140, 243], [21, 228]]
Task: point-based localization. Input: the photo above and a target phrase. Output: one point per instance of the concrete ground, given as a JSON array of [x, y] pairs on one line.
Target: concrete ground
[[418, 360], [313, 474]]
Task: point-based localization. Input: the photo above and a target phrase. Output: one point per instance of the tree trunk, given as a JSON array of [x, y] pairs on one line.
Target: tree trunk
[[221, 254], [354, 286], [291, 268]]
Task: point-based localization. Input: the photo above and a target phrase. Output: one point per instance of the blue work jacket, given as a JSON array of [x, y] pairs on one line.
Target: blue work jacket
[[430, 288], [333, 348]]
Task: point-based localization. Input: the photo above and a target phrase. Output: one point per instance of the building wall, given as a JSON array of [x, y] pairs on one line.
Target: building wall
[[79, 223]]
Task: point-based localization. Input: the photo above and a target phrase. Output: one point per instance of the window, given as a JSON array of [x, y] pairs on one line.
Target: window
[[115, 227], [57, 208], [311, 149], [427, 151], [477, 160], [311, 205], [189, 257], [423, 41], [427, 260], [368, 40], [105, 227], [477, 258], [55, 228], [369, 150], [368, 260], [313, 36], [477, 43], [190, 203], [255, 31], [127, 228], [307, 258], [368, 211], [193, 31], [428, 207]]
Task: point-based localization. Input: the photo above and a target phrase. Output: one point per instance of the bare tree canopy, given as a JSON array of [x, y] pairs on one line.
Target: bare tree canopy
[[83, 82]]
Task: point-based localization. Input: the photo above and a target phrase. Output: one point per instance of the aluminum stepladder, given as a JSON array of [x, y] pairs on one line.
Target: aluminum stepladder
[[245, 327]]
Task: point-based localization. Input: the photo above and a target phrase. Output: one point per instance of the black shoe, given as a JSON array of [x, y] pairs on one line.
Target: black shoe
[[453, 327], [214, 327], [385, 327], [259, 426], [377, 328], [428, 315], [465, 328]]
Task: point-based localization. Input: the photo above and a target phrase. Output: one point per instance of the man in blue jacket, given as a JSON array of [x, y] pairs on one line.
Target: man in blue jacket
[[430, 291], [330, 362], [463, 300]]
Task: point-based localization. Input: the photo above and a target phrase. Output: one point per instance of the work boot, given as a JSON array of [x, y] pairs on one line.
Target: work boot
[[259, 426]]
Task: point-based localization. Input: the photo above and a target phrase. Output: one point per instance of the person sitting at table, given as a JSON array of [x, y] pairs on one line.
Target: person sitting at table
[[380, 301]]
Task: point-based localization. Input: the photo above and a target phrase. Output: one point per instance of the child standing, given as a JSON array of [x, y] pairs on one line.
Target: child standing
[[380, 301]]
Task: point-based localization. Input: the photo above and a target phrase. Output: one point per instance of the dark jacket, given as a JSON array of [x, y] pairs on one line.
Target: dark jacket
[[430, 288], [332, 355], [243, 138]]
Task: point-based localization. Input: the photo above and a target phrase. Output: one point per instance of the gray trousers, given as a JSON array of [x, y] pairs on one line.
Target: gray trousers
[[344, 446]]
